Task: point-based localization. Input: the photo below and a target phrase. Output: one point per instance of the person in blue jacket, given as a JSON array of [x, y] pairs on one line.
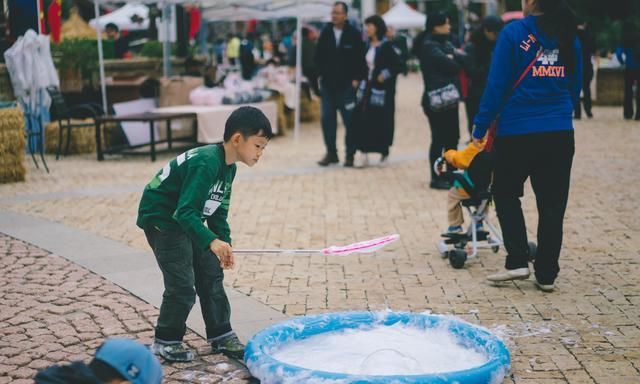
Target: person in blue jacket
[[628, 54], [534, 136]]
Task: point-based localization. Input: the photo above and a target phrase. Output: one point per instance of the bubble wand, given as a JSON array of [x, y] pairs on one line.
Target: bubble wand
[[360, 247]]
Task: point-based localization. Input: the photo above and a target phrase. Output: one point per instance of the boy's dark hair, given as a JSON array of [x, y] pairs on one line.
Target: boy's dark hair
[[111, 26], [378, 22], [344, 6], [104, 371], [248, 121]]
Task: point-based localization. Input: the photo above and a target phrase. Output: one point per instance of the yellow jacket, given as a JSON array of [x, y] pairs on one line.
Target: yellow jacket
[[462, 159]]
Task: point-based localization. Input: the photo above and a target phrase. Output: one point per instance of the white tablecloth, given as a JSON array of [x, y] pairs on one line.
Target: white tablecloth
[[211, 119]]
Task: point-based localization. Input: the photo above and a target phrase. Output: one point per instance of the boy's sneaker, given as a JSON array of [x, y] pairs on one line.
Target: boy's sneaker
[[510, 274], [172, 352], [230, 346], [453, 230]]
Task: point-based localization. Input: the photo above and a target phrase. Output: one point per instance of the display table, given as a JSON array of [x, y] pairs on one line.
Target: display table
[[211, 119]]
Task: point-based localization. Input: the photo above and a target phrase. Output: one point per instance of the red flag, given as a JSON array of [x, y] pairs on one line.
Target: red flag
[[54, 18], [195, 19]]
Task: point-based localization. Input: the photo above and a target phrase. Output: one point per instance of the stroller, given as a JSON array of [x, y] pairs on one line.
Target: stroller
[[460, 247]]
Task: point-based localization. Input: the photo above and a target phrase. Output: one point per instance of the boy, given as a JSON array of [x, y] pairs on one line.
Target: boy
[[194, 187], [117, 361], [476, 177]]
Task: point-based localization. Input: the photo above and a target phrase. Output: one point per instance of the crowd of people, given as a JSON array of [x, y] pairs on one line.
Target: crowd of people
[[521, 85]]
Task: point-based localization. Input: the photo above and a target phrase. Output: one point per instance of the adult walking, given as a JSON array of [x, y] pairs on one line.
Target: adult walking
[[339, 60], [440, 64], [628, 54], [588, 46], [479, 51], [534, 136], [374, 117]]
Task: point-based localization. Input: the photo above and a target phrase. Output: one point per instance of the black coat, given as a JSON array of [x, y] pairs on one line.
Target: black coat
[[438, 69], [338, 65], [374, 125], [477, 66]]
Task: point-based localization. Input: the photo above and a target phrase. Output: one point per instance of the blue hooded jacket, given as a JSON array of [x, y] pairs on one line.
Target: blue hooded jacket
[[543, 102]]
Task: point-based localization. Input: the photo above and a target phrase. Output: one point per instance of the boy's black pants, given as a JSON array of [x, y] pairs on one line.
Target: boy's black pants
[[187, 269], [546, 158]]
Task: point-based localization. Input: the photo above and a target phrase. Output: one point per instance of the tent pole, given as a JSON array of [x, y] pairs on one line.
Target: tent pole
[[103, 85], [166, 47], [296, 127]]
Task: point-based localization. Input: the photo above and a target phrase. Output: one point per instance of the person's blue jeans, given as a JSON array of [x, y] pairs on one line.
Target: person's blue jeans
[[337, 99]]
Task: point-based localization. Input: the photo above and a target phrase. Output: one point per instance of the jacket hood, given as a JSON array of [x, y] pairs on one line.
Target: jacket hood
[[530, 23]]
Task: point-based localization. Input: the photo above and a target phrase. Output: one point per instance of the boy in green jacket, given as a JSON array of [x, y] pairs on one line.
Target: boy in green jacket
[[192, 188]]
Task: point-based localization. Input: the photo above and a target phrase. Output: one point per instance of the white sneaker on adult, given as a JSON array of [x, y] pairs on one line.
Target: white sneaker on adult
[[510, 274], [545, 287]]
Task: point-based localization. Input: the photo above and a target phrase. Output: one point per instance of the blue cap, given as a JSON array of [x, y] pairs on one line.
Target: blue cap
[[134, 361]]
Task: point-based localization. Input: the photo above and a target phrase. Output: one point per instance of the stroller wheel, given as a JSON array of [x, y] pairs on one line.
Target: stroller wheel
[[457, 258], [533, 251], [495, 248]]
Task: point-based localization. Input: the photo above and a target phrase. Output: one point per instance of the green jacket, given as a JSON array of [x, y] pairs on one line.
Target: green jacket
[[191, 188]]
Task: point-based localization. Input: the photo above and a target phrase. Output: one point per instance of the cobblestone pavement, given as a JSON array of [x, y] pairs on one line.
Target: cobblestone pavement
[[53, 312], [585, 332]]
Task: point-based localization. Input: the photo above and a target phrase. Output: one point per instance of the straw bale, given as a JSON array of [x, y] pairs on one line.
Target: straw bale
[[83, 139], [12, 145], [309, 109]]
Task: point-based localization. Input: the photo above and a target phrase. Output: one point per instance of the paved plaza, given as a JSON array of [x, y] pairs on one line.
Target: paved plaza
[[56, 309]]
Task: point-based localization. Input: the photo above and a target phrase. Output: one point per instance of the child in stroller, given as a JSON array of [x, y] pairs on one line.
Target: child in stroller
[[469, 172]]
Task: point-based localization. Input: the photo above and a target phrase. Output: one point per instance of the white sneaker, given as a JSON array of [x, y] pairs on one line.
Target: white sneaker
[[545, 287], [510, 274]]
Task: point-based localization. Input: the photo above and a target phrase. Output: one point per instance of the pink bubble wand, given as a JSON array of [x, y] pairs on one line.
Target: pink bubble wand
[[334, 250]]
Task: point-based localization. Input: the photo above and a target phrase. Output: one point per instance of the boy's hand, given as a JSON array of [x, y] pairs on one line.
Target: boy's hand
[[223, 251]]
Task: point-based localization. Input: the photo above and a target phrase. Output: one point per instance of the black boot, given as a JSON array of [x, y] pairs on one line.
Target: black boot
[[329, 158], [349, 161]]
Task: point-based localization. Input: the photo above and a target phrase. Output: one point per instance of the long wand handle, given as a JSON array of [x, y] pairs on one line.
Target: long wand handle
[[277, 251]]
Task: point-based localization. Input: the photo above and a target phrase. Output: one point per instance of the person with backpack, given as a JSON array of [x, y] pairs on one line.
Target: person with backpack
[[534, 133]]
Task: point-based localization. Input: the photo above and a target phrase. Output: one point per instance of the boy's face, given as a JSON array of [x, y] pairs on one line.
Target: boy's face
[[249, 150]]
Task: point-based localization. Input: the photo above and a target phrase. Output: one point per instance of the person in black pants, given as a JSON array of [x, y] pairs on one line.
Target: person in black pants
[[339, 59], [534, 133], [588, 48], [440, 64]]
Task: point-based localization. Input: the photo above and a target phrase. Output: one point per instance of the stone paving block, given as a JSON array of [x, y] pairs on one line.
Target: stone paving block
[[591, 316]]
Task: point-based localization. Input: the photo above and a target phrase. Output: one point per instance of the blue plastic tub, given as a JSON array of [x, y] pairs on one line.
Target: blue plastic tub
[[271, 371]]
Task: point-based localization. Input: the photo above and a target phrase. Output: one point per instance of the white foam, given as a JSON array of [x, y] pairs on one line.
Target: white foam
[[381, 350]]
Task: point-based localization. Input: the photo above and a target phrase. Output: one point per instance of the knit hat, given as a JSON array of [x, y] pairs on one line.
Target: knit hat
[[134, 361]]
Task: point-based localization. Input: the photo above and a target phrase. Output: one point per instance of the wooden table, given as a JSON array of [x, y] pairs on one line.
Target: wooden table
[[150, 117]]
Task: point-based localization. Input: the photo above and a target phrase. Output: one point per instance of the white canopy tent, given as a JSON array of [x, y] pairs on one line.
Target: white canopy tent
[[216, 9], [122, 17], [402, 16]]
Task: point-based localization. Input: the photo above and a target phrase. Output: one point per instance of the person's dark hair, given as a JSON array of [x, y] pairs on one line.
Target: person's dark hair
[[435, 19], [104, 371], [560, 22], [492, 23], [482, 45], [248, 121], [344, 6], [111, 26], [378, 22]]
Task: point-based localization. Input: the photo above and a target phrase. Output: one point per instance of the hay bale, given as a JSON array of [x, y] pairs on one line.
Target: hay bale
[[83, 139], [309, 109], [12, 145]]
